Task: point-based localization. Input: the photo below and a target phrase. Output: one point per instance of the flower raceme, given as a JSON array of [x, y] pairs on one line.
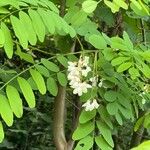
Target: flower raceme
[[77, 70], [90, 105]]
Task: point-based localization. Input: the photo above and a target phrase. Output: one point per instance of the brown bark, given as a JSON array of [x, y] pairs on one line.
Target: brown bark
[[59, 111]]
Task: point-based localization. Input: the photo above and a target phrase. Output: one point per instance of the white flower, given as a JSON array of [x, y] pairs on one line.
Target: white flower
[[95, 104], [94, 80], [89, 106], [143, 101], [85, 71], [100, 84], [80, 88], [71, 66], [86, 61]]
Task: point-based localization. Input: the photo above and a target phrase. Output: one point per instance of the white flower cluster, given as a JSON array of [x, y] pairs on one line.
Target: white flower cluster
[[90, 105], [77, 70]]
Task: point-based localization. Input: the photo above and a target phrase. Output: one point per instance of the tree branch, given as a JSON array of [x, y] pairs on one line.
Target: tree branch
[[59, 111]]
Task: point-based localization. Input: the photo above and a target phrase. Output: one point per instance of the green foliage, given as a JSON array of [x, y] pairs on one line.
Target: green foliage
[[32, 31]]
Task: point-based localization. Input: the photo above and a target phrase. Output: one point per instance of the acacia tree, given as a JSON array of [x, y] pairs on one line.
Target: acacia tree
[[95, 54]]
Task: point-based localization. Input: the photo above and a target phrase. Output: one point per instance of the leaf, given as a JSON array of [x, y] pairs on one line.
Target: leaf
[[8, 45], [5, 111], [78, 18], [83, 130], [42, 70], [1, 132], [14, 100], [38, 24], [102, 143], [27, 91], [4, 11], [134, 73], [118, 43], [119, 60], [112, 108], [124, 66], [106, 132], [50, 65], [89, 6], [19, 29], [32, 83], [127, 40], [86, 116], [27, 23], [144, 146], [52, 86], [121, 3], [62, 79], [98, 41], [25, 56], [119, 118], [2, 39], [113, 6], [110, 96], [62, 60], [85, 143], [51, 5], [47, 19], [105, 116], [37, 77], [139, 123]]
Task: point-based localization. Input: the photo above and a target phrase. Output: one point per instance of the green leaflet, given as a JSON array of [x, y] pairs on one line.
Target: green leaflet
[[26, 21], [98, 41], [48, 20], [127, 41], [42, 70], [50, 65], [118, 43], [4, 10], [8, 45], [37, 77], [51, 6], [86, 116], [52, 86], [105, 116], [1, 132], [27, 91], [25, 56], [5, 111], [78, 18], [2, 39], [113, 6], [62, 79], [85, 143], [62, 60], [83, 130], [14, 100], [33, 84], [102, 143], [144, 146], [19, 29], [38, 24], [134, 73], [119, 118], [121, 3], [124, 66], [89, 6], [110, 96], [119, 60], [106, 132], [112, 108]]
